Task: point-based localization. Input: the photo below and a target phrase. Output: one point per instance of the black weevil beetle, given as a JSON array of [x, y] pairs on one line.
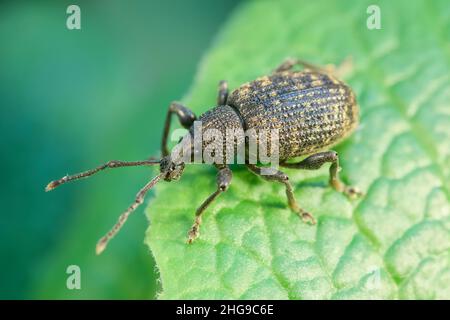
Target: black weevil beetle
[[311, 108]]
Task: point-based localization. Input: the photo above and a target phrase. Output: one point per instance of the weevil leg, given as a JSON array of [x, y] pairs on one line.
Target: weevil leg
[[316, 161], [343, 69], [281, 177], [223, 182], [290, 63], [223, 93], [109, 165], [186, 118], [340, 71]]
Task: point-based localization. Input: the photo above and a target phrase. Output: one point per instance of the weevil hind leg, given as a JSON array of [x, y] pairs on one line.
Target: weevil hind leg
[[224, 177], [186, 118], [316, 161], [103, 242], [109, 165], [281, 177], [341, 70]]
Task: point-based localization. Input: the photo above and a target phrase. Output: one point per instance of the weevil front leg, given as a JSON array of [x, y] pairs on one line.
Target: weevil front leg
[[186, 118], [223, 93], [316, 161], [281, 177], [223, 182]]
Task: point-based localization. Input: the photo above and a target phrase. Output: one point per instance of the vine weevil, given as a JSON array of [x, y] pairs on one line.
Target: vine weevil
[[311, 108]]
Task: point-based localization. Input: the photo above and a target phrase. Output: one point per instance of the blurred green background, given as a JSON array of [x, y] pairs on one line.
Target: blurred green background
[[71, 100]]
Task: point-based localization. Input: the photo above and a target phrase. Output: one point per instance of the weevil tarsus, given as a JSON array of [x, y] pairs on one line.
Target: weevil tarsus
[[222, 95]]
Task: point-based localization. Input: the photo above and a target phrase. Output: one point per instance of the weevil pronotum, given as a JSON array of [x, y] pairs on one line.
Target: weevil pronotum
[[311, 109]]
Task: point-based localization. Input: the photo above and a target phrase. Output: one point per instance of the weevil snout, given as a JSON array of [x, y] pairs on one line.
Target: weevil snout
[[170, 169]]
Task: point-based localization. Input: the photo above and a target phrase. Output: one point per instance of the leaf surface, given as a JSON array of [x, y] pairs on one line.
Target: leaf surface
[[394, 242]]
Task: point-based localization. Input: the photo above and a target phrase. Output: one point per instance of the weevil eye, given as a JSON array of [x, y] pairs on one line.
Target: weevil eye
[[176, 172], [165, 164]]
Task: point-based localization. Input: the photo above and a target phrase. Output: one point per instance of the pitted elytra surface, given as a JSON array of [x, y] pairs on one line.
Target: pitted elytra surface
[[311, 110]]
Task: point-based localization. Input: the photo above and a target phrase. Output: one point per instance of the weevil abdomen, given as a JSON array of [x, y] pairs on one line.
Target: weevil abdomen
[[312, 110]]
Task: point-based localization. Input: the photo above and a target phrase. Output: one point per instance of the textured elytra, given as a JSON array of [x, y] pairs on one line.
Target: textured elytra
[[311, 110]]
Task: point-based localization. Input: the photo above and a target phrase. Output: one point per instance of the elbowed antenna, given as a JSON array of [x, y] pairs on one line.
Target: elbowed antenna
[[110, 164], [103, 242]]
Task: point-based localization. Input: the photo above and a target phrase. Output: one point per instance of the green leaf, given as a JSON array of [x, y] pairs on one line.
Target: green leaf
[[394, 242]]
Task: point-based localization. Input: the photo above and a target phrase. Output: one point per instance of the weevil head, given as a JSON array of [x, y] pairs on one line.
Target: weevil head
[[171, 170]]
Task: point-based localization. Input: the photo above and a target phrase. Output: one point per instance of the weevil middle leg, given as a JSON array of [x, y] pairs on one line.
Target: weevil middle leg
[[186, 118], [316, 161], [281, 177], [224, 177]]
